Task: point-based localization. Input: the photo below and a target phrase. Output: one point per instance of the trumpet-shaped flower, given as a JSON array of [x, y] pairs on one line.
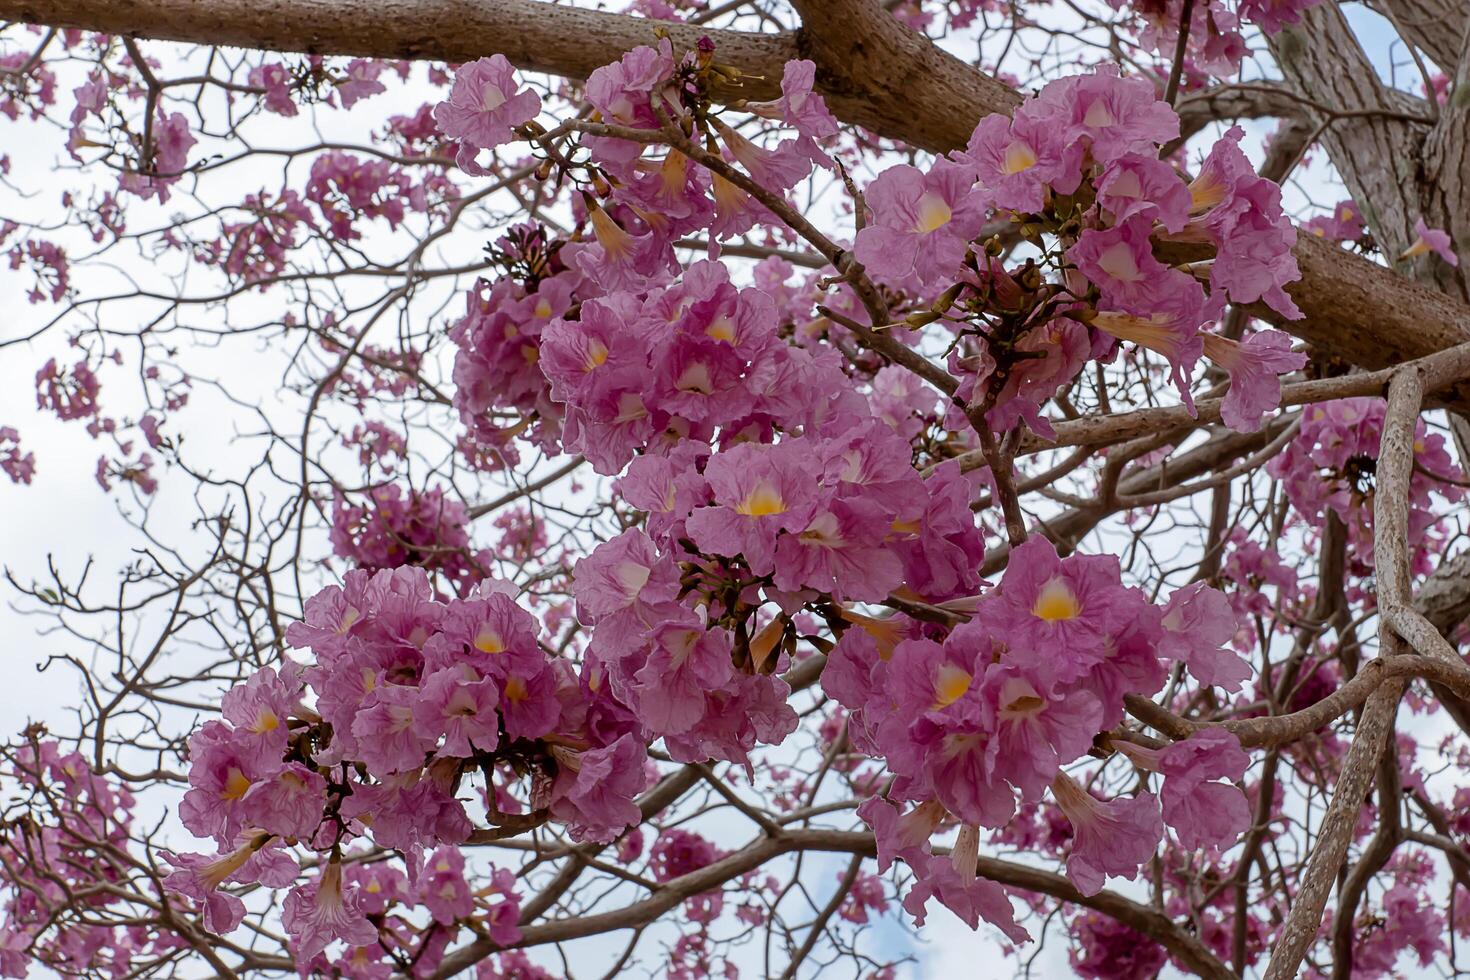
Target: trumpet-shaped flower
[[484, 107], [922, 222]]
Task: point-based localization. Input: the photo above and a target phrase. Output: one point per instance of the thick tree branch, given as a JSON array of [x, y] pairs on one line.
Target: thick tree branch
[[872, 70]]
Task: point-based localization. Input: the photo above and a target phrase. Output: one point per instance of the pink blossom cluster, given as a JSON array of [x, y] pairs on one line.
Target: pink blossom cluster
[[47, 262], [984, 719], [164, 161], [29, 91], [256, 250], [70, 393], [1083, 155], [19, 466], [685, 363], [497, 371], [1216, 42], [1344, 224], [678, 852], [1330, 464], [409, 696], [392, 528], [683, 617], [346, 189], [377, 445], [653, 199], [55, 872]]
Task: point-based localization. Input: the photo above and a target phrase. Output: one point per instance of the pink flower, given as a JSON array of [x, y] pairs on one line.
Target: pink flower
[[1120, 261], [922, 222], [747, 710], [841, 551], [1116, 116], [1430, 240], [901, 835], [1142, 184], [1108, 838], [760, 491], [1056, 615], [1255, 367], [484, 107], [1170, 329], [699, 379], [199, 877], [624, 587], [289, 803], [388, 739], [922, 677], [1203, 812], [442, 889], [1241, 213], [378, 886], [953, 756], [1036, 731], [222, 770], [170, 157], [802, 109], [410, 810], [1272, 15], [943, 549], [623, 92], [316, 915], [260, 708], [1198, 622], [1344, 224], [967, 896], [1016, 160], [775, 170], [275, 78], [686, 661], [361, 81], [594, 790], [20, 467], [459, 709]]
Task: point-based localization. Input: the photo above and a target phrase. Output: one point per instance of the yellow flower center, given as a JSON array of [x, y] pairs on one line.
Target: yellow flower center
[[723, 328], [236, 785], [1056, 602], [933, 213], [763, 501], [489, 641], [1205, 192], [595, 357], [950, 684], [1018, 157]]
